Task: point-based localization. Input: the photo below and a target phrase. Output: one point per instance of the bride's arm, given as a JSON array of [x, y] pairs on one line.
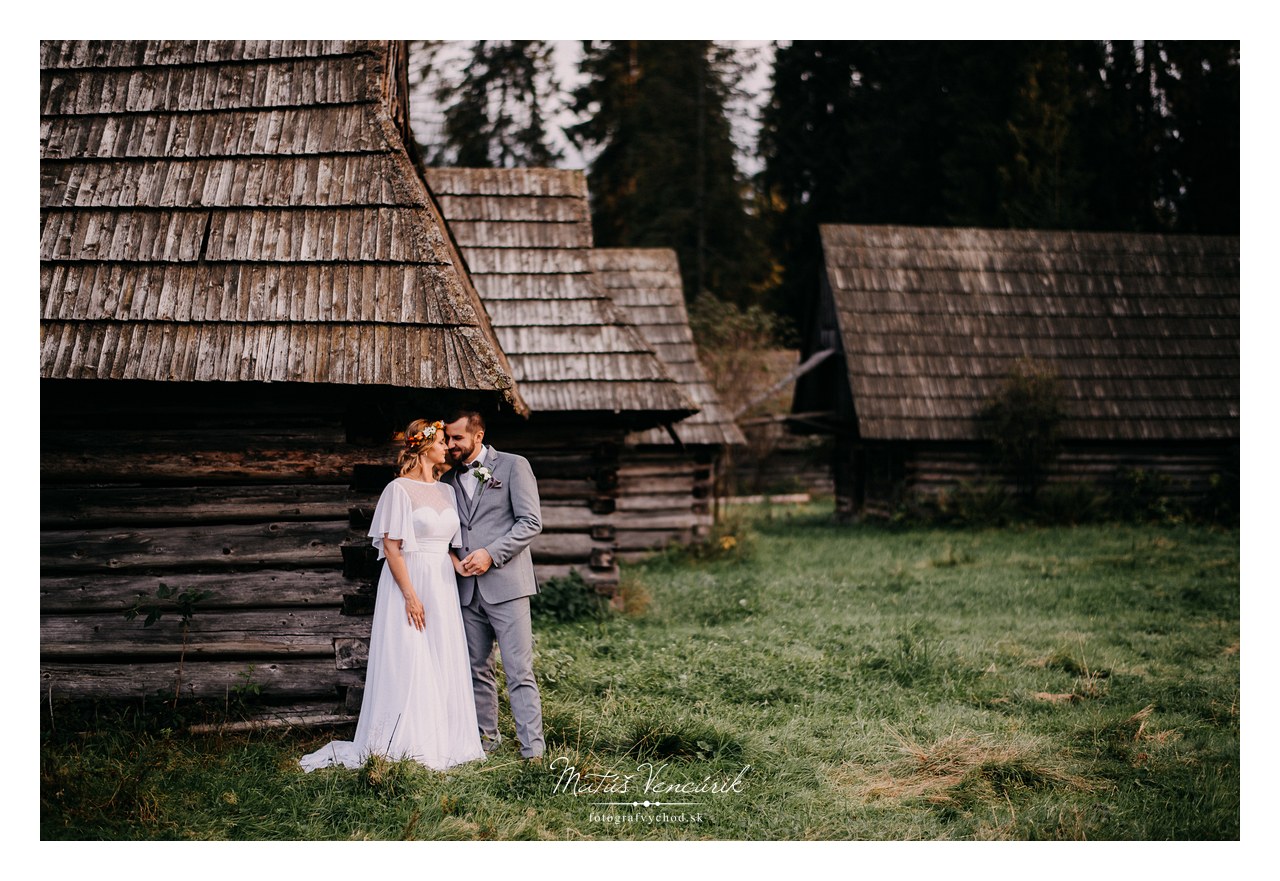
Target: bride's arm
[[400, 571], [457, 564]]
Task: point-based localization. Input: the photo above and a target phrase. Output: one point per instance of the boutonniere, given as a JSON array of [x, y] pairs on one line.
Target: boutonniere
[[485, 475]]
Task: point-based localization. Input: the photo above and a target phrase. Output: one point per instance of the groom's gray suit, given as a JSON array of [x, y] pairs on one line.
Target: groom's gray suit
[[502, 516]]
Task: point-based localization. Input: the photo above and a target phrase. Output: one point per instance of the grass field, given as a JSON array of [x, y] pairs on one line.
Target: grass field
[[814, 681]]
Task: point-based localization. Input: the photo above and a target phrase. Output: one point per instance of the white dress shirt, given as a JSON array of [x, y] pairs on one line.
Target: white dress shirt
[[469, 482]]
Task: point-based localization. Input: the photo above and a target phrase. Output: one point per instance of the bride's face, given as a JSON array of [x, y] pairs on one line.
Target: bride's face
[[434, 452]]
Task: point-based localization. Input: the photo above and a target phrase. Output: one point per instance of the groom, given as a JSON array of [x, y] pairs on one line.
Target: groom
[[500, 514]]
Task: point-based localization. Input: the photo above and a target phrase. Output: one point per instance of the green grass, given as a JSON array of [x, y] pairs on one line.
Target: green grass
[[1037, 683]]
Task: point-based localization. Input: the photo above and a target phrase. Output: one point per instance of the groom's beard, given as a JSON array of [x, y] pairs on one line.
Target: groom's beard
[[461, 455]]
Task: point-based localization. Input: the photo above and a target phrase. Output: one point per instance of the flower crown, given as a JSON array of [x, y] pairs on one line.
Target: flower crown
[[423, 437]]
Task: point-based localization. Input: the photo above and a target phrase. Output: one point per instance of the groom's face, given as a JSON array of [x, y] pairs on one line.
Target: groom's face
[[463, 441]]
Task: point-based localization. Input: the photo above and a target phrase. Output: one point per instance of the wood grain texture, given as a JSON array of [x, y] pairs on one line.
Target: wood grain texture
[[245, 211], [312, 677], [1142, 330], [645, 283], [263, 634], [526, 237], [99, 592]]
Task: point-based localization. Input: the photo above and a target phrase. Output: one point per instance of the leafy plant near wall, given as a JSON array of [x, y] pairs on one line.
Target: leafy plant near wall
[[154, 608], [569, 598], [1022, 423]]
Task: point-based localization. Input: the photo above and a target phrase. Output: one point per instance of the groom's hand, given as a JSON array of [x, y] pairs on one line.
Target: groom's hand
[[477, 562]]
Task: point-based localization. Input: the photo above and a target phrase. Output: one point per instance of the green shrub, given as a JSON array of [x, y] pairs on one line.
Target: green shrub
[[730, 538], [1142, 496], [1022, 422], [966, 504], [1068, 504], [1221, 503], [569, 599]]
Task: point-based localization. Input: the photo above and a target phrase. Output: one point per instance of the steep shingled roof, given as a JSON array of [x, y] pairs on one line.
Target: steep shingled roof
[[645, 283], [526, 237], [1143, 331], [245, 211]]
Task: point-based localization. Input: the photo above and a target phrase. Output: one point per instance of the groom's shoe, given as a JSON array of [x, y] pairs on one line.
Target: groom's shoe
[[489, 745]]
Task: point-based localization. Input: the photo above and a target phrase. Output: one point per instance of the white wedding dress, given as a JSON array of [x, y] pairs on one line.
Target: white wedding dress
[[418, 700]]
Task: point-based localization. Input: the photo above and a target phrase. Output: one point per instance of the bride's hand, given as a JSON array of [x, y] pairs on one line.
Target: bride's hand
[[414, 610]]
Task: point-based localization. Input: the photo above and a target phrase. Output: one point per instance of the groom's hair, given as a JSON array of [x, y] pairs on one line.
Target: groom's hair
[[475, 422]]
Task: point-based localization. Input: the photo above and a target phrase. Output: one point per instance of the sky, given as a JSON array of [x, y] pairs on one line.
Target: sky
[[426, 112]]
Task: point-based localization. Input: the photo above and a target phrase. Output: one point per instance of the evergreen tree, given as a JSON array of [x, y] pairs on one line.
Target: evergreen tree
[[663, 172], [879, 132], [1079, 135], [1044, 183], [494, 116], [1200, 85], [1121, 131]]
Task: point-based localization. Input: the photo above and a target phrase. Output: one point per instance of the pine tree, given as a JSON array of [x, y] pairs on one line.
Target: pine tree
[[1081, 135], [1044, 183], [1121, 131], [663, 172], [495, 115], [1199, 83]]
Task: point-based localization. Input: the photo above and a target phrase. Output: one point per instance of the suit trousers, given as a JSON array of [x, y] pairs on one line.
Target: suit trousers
[[509, 623]]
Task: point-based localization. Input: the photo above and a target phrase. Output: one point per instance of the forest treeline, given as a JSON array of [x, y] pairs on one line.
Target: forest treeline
[[1087, 135]]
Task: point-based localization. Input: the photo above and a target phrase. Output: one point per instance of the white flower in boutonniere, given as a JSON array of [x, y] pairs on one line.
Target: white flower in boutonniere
[[484, 475]]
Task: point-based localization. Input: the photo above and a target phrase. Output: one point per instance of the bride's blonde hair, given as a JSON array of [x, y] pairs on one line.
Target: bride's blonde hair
[[417, 437]]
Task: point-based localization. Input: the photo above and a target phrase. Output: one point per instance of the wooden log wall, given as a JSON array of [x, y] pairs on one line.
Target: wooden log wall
[[264, 502], [777, 461], [665, 497], [577, 467], [876, 476], [253, 509]]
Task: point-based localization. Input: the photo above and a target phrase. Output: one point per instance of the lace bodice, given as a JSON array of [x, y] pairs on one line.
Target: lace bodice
[[434, 495], [423, 516]]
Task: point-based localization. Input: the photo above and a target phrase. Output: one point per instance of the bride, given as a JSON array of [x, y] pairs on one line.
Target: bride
[[418, 700]]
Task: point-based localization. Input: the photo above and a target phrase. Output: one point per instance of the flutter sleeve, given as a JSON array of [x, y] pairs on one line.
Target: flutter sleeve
[[393, 518]]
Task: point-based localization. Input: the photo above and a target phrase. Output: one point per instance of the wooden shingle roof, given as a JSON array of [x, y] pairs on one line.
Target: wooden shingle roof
[[525, 235], [1143, 331], [645, 283], [245, 211]]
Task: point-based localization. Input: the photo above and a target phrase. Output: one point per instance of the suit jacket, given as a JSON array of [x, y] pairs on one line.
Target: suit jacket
[[502, 519]]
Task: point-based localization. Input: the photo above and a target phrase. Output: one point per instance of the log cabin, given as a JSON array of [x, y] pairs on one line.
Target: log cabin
[[668, 481], [1141, 330], [588, 376], [245, 288]]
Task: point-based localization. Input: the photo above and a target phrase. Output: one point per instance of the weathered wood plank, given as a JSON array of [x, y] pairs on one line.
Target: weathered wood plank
[[560, 489], [267, 544], [84, 506], [271, 81], [565, 518], [95, 591], [639, 464], [308, 715], [629, 484], [554, 547], [649, 539], [655, 502], [299, 678], [261, 633], [569, 517], [601, 580], [278, 465], [541, 182]]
